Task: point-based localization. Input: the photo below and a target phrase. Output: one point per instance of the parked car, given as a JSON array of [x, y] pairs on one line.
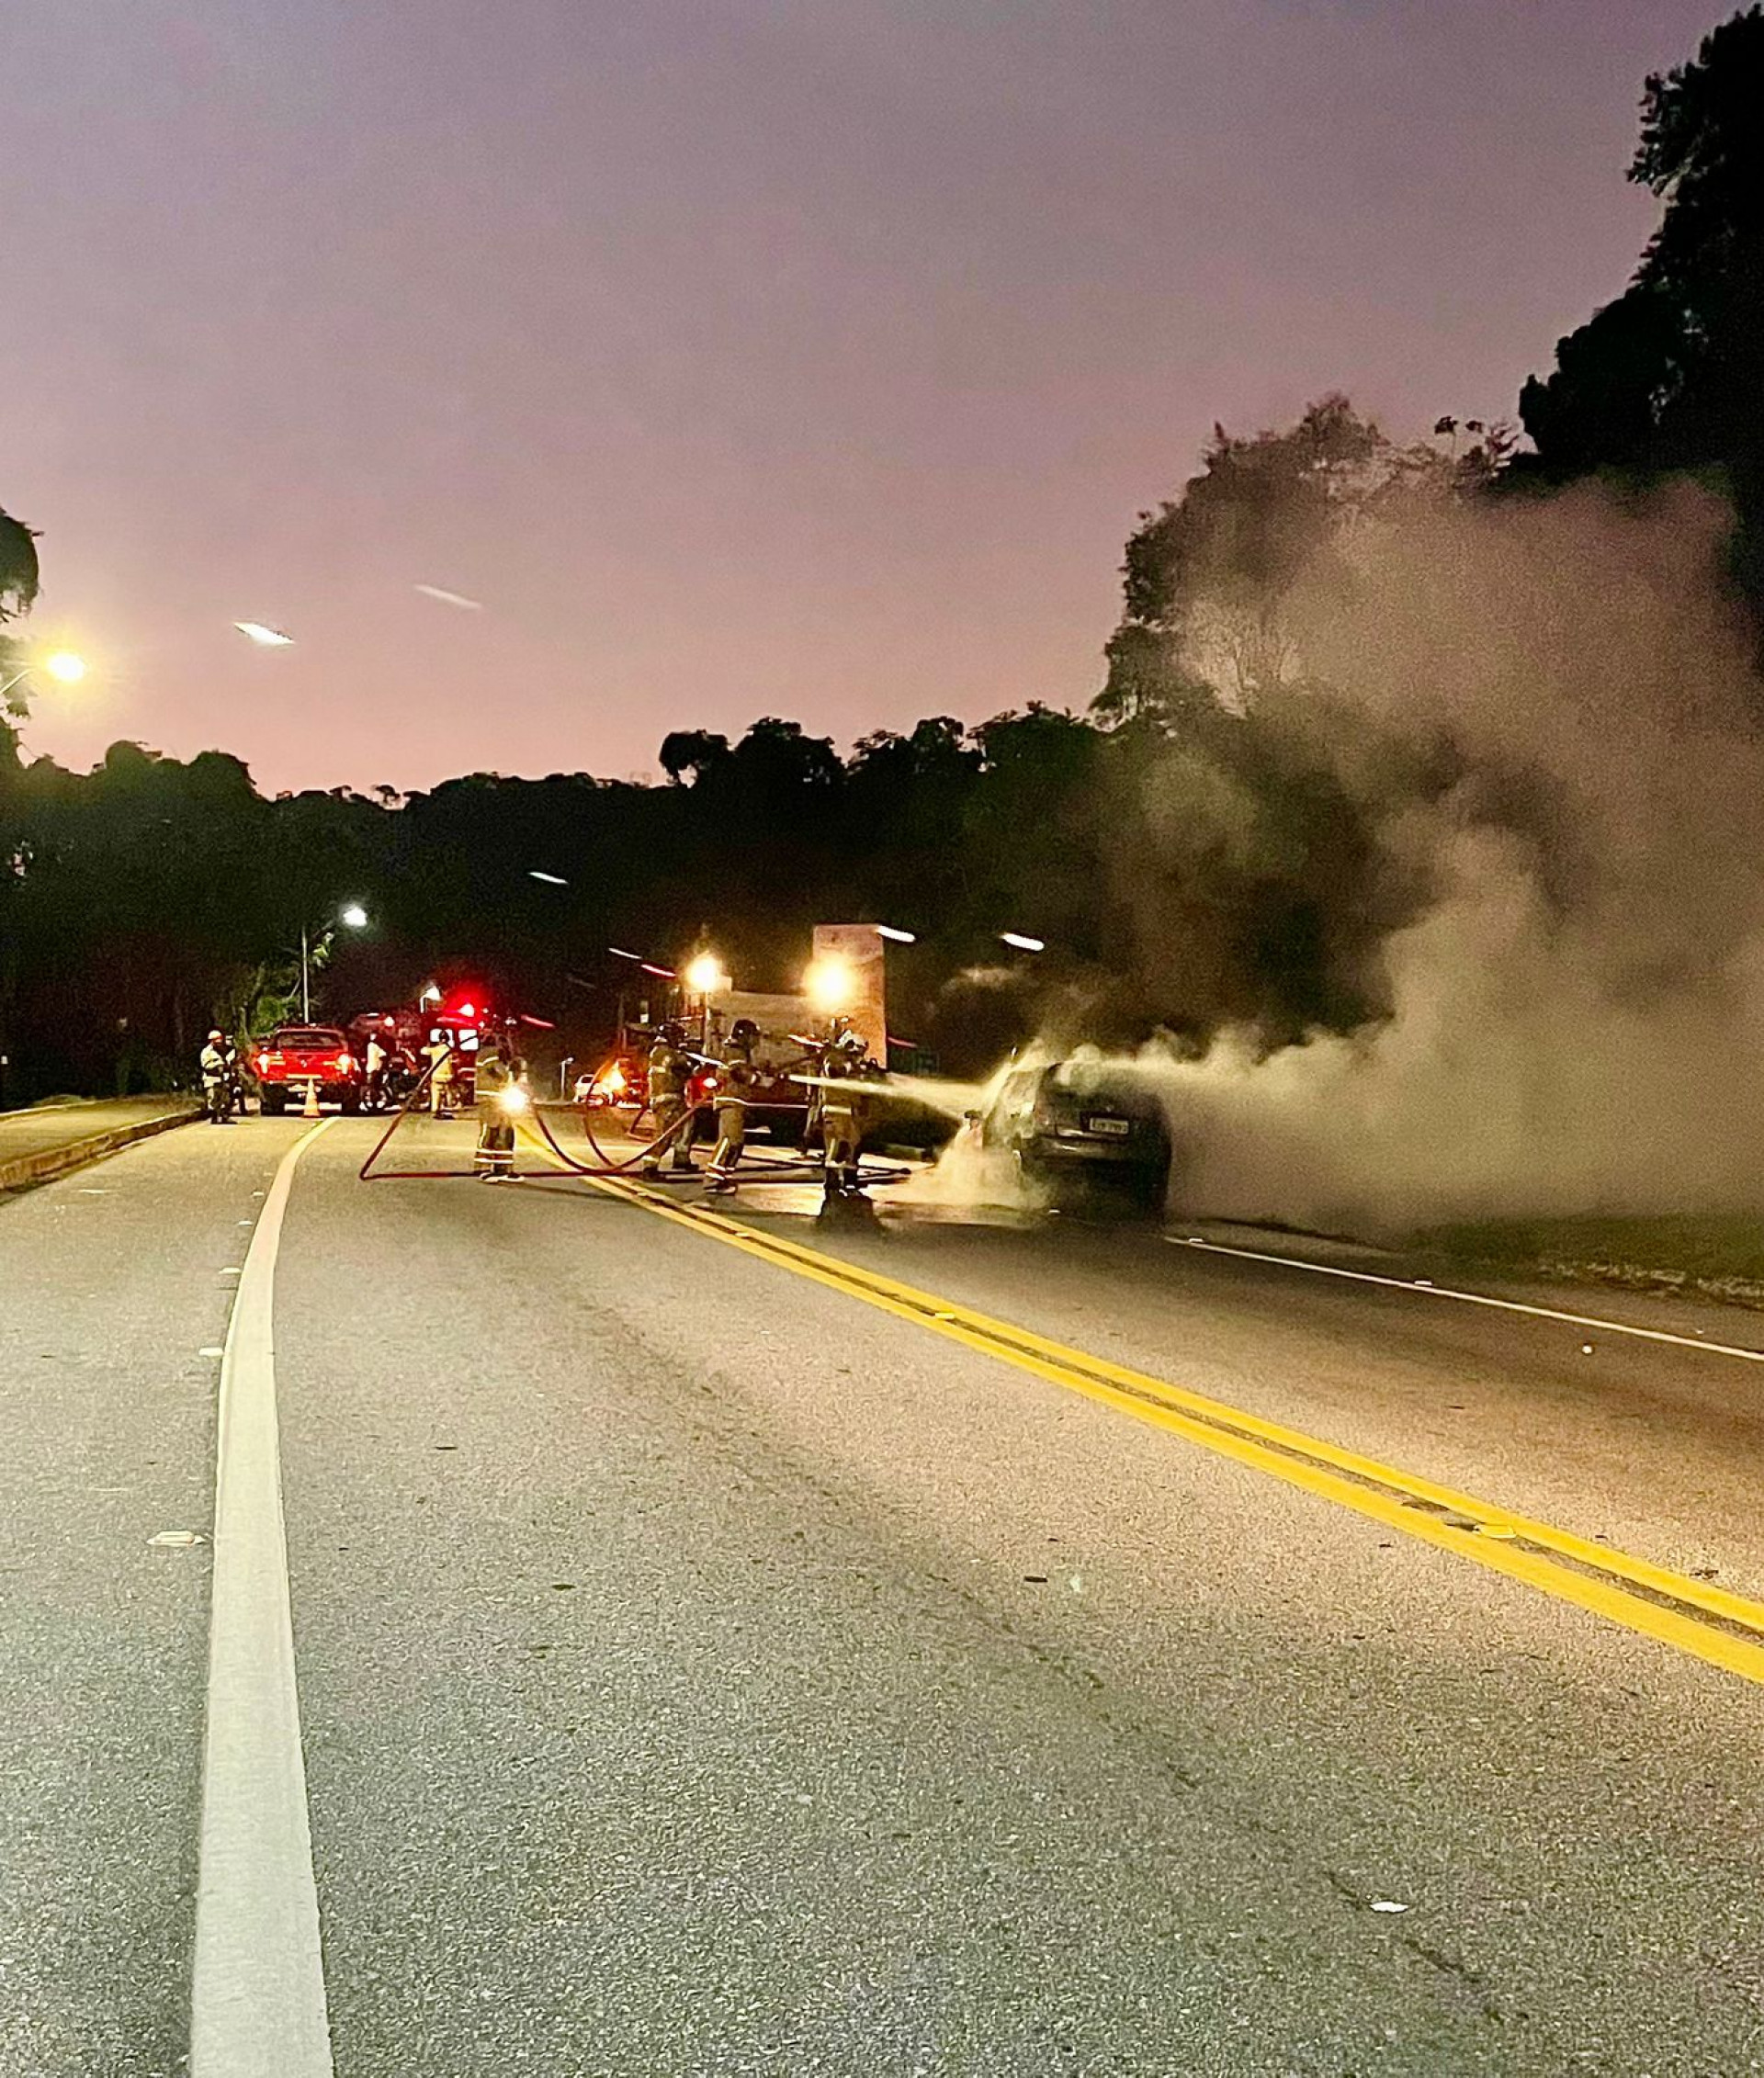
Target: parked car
[[294, 1055], [1073, 1124]]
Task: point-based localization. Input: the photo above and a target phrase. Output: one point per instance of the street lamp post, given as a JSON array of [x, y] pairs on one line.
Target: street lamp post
[[356, 917]]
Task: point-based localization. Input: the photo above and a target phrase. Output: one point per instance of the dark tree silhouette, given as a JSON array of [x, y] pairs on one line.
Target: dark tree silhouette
[[18, 571], [1668, 375]]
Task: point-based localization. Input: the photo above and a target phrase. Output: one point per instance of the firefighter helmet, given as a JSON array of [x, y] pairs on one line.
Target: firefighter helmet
[[671, 1033], [744, 1032]]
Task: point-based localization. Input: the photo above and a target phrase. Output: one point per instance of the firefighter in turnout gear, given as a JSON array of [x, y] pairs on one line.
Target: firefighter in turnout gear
[[440, 1053], [734, 1079], [843, 1111], [220, 1072], [814, 1058], [499, 1097], [670, 1065]]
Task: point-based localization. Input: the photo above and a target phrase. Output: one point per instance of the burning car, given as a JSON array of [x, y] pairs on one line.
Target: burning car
[[1070, 1125]]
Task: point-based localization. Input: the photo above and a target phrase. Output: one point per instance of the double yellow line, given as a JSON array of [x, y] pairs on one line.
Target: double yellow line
[[1691, 1615]]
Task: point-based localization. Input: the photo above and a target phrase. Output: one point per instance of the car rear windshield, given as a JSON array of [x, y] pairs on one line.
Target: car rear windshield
[[305, 1036]]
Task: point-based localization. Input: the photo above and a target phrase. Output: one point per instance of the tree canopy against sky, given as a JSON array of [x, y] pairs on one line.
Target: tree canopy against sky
[[1670, 375]]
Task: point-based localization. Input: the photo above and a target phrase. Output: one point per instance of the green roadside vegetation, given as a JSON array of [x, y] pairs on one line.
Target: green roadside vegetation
[[1717, 1256]]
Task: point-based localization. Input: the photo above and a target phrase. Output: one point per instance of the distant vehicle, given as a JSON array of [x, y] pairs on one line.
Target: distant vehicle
[[1069, 1124], [622, 1080], [402, 1034], [778, 1106], [465, 1025], [294, 1055]]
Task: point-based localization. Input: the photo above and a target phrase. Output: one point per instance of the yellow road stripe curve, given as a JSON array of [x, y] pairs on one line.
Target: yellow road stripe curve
[[1693, 1616]]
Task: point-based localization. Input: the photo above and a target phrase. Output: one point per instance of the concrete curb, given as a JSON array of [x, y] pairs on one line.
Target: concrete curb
[[24, 1170]]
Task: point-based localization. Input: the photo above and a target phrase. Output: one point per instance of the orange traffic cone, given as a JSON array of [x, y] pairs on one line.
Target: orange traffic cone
[[312, 1109]]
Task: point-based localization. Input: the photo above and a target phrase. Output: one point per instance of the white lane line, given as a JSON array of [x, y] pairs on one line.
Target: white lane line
[[257, 2005], [1421, 1288]]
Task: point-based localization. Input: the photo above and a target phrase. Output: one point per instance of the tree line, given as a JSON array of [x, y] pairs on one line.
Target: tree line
[[1199, 847]]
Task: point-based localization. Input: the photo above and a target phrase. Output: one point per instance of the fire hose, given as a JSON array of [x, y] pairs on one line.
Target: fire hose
[[778, 1167], [781, 1167], [605, 1166]]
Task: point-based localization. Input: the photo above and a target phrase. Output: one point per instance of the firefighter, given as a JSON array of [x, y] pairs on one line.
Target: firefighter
[[375, 1062], [734, 1079], [670, 1065], [814, 1058], [842, 1113], [440, 1054], [220, 1069], [499, 1097]]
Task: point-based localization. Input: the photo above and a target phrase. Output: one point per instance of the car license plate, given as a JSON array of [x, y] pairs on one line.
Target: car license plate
[[1119, 1127]]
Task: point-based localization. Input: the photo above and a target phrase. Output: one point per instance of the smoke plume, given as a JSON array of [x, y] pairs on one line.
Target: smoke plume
[[1543, 713]]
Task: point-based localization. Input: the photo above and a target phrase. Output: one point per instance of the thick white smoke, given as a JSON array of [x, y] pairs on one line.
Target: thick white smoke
[[1576, 1017]]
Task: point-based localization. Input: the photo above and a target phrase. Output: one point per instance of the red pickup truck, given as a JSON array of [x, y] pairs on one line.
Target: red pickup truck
[[294, 1055]]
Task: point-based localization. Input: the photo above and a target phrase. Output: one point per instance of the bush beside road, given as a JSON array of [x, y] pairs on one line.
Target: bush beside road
[[1712, 1256]]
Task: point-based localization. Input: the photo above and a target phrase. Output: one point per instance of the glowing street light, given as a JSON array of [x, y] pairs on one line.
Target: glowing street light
[[550, 879], [263, 636], [830, 984], [705, 976], [355, 916], [1022, 942], [431, 994], [895, 936], [66, 667]]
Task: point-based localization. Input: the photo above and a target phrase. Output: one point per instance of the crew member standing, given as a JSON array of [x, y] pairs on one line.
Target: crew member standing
[[670, 1065], [814, 1058], [499, 1090], [374, 1060], [734, 1079], [217, 1078], [842, 1114], [441, 1081]]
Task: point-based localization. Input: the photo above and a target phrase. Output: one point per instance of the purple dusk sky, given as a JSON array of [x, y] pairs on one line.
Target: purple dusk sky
[[807, 357]]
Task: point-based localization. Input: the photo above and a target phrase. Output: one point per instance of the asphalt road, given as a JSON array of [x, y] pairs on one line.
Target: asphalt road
[[705, 1671], [114, 1288]]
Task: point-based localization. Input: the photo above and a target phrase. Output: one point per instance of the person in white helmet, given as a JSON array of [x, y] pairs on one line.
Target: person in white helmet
[[220, 1069]]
